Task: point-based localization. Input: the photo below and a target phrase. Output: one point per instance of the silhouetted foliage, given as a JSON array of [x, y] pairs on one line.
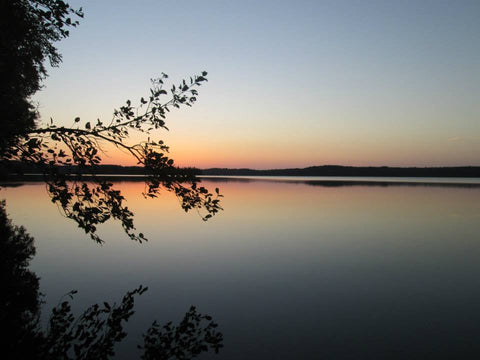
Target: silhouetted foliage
[[29, 29], [185, 341], [19, 298], [95, 201], [94, 333], [28, 33]]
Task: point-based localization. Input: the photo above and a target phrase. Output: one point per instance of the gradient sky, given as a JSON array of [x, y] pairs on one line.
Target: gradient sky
[[291, 83]]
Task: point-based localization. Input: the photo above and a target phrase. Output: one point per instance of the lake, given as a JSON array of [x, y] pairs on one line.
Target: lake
[[291, 269]]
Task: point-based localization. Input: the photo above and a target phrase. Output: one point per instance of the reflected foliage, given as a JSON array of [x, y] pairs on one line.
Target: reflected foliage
[[185, 341], [94, 333], [20, 299]]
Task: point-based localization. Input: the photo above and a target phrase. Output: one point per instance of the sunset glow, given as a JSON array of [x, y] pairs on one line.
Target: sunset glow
[[290, 85]]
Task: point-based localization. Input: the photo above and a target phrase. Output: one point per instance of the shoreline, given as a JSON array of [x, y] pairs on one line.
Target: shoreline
[[470, 182]]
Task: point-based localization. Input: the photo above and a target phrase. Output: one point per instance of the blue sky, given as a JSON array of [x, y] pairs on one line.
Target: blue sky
[[290, 83]]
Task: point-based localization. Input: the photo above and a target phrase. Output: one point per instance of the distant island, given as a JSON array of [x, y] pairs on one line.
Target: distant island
[[324, 170]]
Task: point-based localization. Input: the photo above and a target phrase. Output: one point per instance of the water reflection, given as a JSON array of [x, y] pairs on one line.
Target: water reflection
[[20, 298], [90, 335], [288, 270], [353, 181]]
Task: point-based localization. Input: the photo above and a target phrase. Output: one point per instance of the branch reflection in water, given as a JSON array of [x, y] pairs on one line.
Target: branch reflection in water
[[94, 333], [289, 270]]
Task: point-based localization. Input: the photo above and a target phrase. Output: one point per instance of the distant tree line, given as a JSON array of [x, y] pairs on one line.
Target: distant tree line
[[325, 170], [337, 170], [15, 168]]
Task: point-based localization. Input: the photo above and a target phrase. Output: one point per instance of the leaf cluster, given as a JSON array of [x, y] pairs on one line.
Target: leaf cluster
[[184, 341], [93, 334]]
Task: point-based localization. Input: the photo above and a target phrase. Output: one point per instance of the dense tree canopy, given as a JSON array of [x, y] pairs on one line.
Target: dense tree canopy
[[28, 31]]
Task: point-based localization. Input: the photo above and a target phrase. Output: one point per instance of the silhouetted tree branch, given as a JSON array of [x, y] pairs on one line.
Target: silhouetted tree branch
[[93, 202], [65, 155], [53, 149]]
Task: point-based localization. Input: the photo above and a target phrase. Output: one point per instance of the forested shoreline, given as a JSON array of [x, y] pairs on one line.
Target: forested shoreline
[[14, 169]]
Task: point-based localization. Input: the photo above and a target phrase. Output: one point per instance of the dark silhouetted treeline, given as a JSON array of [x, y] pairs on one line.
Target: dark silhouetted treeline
[[326, 170], [337, 170], [19, 168]]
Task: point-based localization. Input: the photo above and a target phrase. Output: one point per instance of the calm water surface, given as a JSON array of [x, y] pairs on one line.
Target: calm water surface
[[290, 270]]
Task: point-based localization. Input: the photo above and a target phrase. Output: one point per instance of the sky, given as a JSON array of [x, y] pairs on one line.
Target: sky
[[290, 83]]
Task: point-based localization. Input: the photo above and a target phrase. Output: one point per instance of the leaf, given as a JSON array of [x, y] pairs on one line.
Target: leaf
[[87, 125], [77, 119]]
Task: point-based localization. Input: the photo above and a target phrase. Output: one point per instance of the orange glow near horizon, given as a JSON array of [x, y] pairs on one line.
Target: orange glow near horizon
[[270, 150], [271, 156]]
